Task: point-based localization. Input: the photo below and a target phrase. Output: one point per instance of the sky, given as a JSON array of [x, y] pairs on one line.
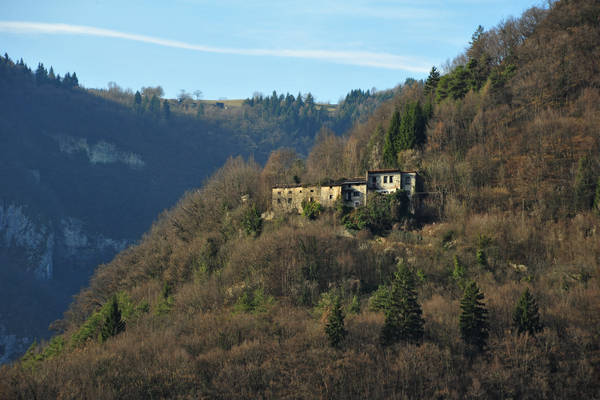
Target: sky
[[230, 49]]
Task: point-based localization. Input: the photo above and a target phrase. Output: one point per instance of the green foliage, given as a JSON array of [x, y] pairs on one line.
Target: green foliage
[[481, 257], [459, 272], [412, 127], [253, 301], [354, 307], [432, 81], [390, 145], [311, 209], [380, 299], [251, 221], [335, 326], [405, 132], [403, 315], [34, 355], [113, 323], [526, 317], [166, 301], [473, 318], [380, 212]]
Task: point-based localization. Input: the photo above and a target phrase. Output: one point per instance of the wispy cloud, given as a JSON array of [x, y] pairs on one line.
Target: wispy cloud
[[357, 58]]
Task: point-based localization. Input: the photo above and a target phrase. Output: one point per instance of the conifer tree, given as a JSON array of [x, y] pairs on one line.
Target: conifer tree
[[113, 324], [403, 320], [155, 106], [354, 305], [432, 81], [335, 326], [473, 318], [41, 75], [389, 146], [584, 184], [166, 109], [526, 317]]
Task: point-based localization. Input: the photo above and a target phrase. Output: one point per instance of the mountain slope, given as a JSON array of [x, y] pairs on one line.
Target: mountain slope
[[219, 303]]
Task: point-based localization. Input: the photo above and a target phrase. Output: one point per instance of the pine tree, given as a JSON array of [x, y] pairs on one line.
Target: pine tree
[[403, 320], [166, 109], [113, 324], [155, 106], [41, 75], [412, 128], [335, 326], [137, 100], [389, 146], [354, 305], [432, 82], [473, 319], [526, 317]]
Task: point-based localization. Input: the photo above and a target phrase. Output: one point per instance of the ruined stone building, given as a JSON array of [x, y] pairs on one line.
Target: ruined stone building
[[353, 192]]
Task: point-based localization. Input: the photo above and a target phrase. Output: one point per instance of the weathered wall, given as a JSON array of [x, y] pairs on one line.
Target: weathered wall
[[289, 199], [354, 194]]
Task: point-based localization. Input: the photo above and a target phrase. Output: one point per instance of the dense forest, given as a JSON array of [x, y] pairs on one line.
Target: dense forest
[[489, 289], [84, 172]]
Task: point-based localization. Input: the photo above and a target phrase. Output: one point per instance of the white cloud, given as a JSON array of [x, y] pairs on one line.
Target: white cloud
[[358, 58]]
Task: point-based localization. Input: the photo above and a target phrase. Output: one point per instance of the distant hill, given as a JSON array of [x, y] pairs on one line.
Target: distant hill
[[83, 173]]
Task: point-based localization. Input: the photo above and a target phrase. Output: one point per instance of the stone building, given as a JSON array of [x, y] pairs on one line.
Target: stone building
[[353, 192]]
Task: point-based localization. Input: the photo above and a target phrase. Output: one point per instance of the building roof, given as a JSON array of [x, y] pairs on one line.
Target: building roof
[[383, 170], [354, 181]]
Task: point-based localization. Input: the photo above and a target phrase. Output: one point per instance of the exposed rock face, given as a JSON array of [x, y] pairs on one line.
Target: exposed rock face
[[51, 257], [33, 238]]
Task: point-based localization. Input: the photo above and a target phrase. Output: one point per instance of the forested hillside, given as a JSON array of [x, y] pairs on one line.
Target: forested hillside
[[85, 172], [490, 289]]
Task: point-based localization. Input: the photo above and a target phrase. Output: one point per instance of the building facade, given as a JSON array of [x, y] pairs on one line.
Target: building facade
[[353, 192]]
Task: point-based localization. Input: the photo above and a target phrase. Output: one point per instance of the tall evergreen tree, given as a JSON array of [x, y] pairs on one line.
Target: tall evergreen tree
[[137, 100], [526, 317], [412, 127], [473, 318], [432, 82], [166, 109], [113, 324], [389, 146], [403, 315], [41, 75], [154, 106], [335, 326]]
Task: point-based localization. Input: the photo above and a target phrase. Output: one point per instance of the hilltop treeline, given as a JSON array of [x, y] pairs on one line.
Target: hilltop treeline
[[502, 290]]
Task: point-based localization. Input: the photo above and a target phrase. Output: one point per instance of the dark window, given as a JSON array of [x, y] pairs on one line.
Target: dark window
[[356, 194], [374, 179], [356, 204], [311, 199], [385, 179], [279, 193], [289, 201], [278, 201], [301, 191], [311, 190], [391, 179], [289, 192], [330, 196], [330, 187]]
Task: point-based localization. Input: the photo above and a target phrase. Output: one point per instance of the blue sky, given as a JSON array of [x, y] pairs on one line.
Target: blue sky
[[233, 48]]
